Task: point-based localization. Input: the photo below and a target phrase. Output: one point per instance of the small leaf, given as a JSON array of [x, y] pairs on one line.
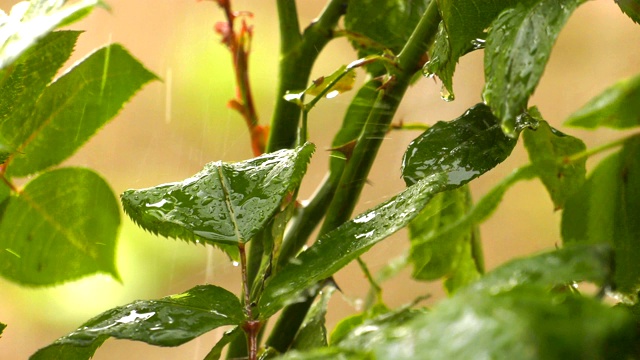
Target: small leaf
[[343, 85], [227, 338], [32, 20], [63, 225], [605, 210], [548, 150], [73, 108], [631, 8], [224, 204], [348, 324], [313, 332], [517, 50], [170, 321], [388, 23], [617, 107], [2, 327]]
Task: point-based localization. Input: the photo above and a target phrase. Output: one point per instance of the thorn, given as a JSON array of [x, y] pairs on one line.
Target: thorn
[[346, 149]]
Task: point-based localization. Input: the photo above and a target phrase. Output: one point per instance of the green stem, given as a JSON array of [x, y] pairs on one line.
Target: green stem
[[598, 149], [289, 27]]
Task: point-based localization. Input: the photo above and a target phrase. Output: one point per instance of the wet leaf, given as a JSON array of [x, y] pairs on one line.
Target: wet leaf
[[605, 210], [447, 156], [227, 338], [32, 20], [313, 332], [63, 225], [464, 148], [348, 324], [225, 203], [617, 107], [548, 151], [170, 321], [631, 8], [387, 23], [517, 50], [343, 85], [73, 108]]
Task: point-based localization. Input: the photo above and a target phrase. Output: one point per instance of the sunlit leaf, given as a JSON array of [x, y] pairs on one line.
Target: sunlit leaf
[[343, 85], [631, 8], [73, 108], [517, 50], [63, 225], [617, 107], [225, 203], [31, 20], [548, 151], [170, 321], [605, 210], [313, 332]]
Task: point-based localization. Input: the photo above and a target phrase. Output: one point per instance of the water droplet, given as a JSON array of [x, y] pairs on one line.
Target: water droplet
[[332, 94], [478, 44], [446, 95], [235, 263]]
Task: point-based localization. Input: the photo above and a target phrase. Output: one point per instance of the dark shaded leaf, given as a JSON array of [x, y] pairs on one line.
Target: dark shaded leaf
[[227, 338], [224, 204], [617, 107], [63, 225], [2, 327], [313, 332], [73, 108], [605, 210], [631, 8], [548, 151], [517, 50], [32, 20], [170, 321]]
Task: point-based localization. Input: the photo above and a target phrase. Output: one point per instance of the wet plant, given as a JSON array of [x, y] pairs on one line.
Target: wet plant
[[528, 308]]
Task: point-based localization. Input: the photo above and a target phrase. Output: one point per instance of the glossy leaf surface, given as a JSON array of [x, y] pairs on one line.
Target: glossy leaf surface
[[617, 107], [517, 50], [631, 8], [605, 210], [464, 148], [170, 321], [548, 151], [386, 23], [73, 108], [63, 225], [313, 332], [445, 157], [225, 203], [29, 21]]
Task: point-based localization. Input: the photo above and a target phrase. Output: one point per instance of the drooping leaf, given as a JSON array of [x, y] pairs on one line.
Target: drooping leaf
[[460, 151], [63, 225], [631, 8], [463, 23], [32, 20], [23, 83], [517, 50], [617, 107], [225, 203], [227, 338], [464, 148], [170, 321], [387, 23], [73, 108], [548, 150], [313, 332], [605, 210]]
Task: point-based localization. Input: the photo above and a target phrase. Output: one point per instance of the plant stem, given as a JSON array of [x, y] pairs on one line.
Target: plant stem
[[598, 149]]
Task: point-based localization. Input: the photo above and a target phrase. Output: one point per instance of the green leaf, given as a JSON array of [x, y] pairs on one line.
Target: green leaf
[[348, 324], [63, 225], [617, 107], [2, 327], [32, 20], [225, 203], [464, 148], [73, 108], [463, 24], [631, 8], [470, 145], [227, 338], [548, 151], [605, 210], [313, 332], [326, 353], [517, 50], [170, 321], [386, 23], [23, 83]]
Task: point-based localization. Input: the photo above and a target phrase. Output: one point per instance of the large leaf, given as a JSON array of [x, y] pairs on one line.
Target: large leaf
[[63, 225], [631, 8], [549, 150], [476, 132], [617, 107], [386, 23], [31, 20], [170, 321], [605, 210], [225, 203], [517, 50], [73, 108]]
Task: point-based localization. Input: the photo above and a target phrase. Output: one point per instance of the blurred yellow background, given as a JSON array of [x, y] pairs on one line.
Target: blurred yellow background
[[172, 128]]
